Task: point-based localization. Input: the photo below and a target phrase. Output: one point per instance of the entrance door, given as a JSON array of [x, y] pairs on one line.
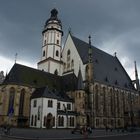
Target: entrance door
[[49, 121]]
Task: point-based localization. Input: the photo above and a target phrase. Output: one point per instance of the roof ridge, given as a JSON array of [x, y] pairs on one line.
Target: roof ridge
[[91, 45]]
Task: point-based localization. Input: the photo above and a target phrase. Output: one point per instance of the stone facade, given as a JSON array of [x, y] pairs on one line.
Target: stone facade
[[21, 105]]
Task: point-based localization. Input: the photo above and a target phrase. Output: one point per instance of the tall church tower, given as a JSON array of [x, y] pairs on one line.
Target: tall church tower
[[51, 45]]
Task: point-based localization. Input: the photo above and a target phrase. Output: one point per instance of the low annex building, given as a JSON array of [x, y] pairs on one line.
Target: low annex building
[[78, 84], [51, 109]]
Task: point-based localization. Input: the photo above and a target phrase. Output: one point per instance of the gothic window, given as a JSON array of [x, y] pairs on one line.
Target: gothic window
[[104, 101], [21, 103], [50, 103], [35, 103], [86, 72], [62, 121], [57, 53], [32, 120], [56, 72], [72, 64], [43, 53], [111, 102], [68, 59], [11, 101], [118, 108], [57, 42], [96, 98]]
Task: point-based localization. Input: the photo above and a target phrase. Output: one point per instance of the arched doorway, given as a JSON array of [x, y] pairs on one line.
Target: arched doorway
[[49, 121]]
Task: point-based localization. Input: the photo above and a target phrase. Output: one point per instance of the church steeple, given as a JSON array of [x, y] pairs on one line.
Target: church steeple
[[136, 77], [90, 50], [90, 62], [51, 44]]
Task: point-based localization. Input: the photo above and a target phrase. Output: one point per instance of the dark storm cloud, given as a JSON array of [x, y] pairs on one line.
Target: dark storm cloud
[[113, 24]]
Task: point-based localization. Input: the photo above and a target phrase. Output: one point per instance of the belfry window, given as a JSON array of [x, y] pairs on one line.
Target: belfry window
[[57, 42], [43, 53], [57, 53]]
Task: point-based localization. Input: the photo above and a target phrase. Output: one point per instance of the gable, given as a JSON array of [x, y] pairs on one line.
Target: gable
[[106, 68]]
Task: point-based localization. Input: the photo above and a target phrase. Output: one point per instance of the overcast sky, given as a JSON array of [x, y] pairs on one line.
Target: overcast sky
[[113, 24]]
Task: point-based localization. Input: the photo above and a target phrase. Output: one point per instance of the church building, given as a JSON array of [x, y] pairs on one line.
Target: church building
[[77, 84]]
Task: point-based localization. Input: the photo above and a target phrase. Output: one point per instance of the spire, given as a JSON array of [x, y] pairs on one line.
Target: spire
[[80, 80], [90, 50], [136, 73], [136, 76]]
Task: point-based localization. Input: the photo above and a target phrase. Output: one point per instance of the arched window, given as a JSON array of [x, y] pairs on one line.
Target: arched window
[[57, 53], [111, 102], [62, 121], [86, 72], [11, 101], [68, 59], [104, 101], [57, 42], [96, 98], [72, 64], [43, 53], [118, 103], [32, 120], [68, 52], [21, 103]]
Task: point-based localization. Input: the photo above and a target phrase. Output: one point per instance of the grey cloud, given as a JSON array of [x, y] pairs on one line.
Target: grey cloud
[[22, 22]]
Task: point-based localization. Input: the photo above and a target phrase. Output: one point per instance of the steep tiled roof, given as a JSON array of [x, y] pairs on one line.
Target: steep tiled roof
[[48, 93], [106, 68], [27, 76]]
